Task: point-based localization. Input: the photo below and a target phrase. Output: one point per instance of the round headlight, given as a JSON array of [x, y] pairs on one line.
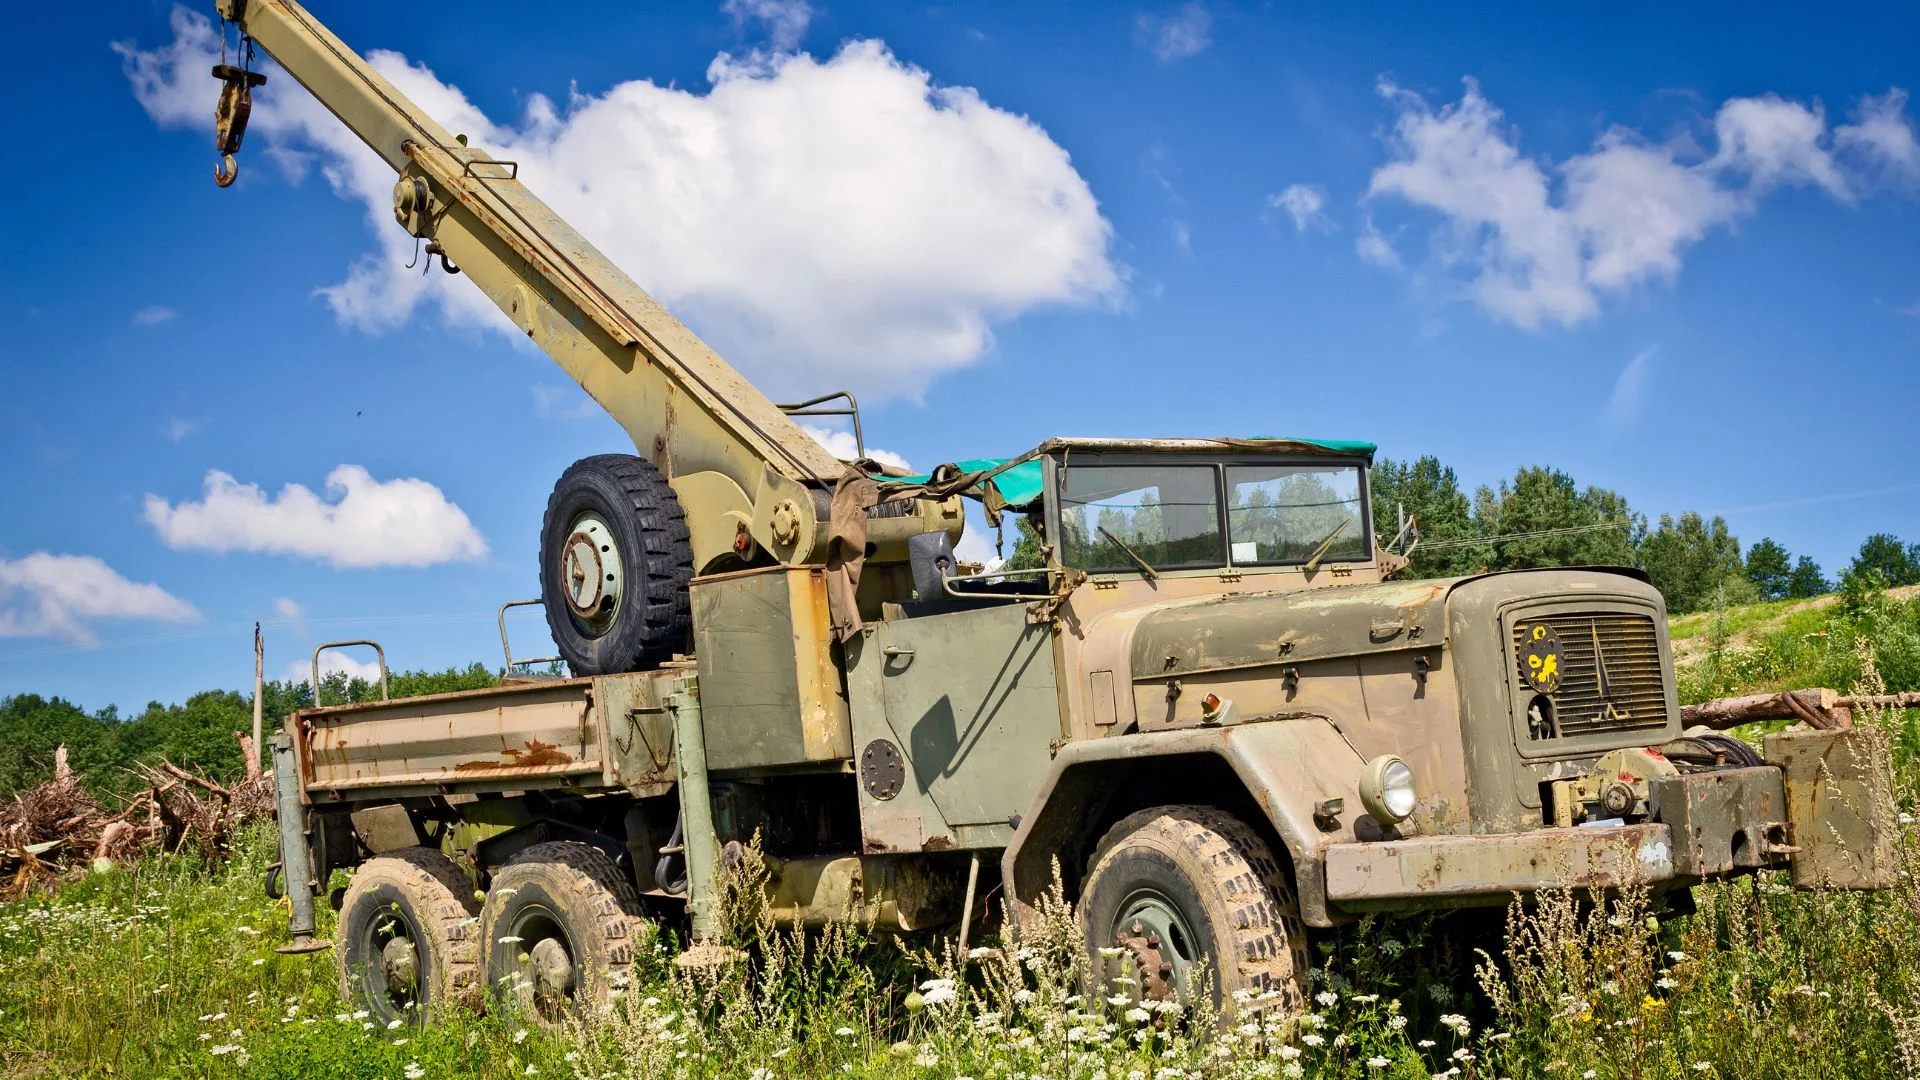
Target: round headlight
[[1387, 789]]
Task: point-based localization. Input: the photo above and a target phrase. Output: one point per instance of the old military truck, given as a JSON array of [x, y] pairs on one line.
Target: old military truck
[[1197, 691]]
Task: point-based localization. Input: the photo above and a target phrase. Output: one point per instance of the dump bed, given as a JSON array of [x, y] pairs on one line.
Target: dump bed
[[605, 732]]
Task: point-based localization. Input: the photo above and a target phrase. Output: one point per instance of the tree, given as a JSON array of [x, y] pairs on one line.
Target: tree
[[1770, 569], [1807, 581], [1557, 523], [1429, 493], [1695, 563], [1883, 555], [33, 727]]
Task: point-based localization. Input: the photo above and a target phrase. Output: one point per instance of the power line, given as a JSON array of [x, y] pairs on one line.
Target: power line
[[1534, 534]]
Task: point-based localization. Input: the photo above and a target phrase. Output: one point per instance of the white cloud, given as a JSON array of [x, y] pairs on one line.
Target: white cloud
[[1186, 32], [1374, 248], [287, 609], [841, 444], [827, 223], [1882, 135], [402, 522], [58, 596], [785, 20], [154, 315], [1305, 204], [1182, 234], [1776, 141], [179, 428], [1630, 388], [332, 660], [1539, 242]]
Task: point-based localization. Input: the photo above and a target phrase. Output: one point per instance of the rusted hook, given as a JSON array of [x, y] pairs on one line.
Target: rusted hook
[[227, 171], [434, 248]]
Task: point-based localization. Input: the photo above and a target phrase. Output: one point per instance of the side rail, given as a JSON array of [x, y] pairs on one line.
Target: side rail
[[378, 652]]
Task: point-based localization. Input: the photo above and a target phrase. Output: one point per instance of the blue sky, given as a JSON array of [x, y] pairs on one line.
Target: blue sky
[[1670, 252]]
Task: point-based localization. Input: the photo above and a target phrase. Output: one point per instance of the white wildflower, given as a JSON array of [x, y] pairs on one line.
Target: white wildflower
[[1327, 998], [1378, 1062]]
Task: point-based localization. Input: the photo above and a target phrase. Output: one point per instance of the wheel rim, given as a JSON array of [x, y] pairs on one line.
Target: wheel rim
[[592, 577], [543, 978], [1160, 942], [391, 943]]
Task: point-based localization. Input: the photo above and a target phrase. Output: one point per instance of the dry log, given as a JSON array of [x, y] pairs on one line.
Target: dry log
[[1819, 708]]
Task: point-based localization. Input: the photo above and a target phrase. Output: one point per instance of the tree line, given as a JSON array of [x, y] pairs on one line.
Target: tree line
[[1542, 518], [103, 746]]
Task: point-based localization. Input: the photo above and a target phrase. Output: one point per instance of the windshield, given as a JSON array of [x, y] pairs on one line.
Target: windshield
[[1115, 516], [1167, 515], [1284, 513]]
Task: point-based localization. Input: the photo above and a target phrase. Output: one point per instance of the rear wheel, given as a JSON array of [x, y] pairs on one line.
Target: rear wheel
[[407, 945], [558, 928], [1185, 889], [615, 563]]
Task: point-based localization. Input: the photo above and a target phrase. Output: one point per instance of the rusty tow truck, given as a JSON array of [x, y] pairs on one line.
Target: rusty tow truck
[[1199, 692]]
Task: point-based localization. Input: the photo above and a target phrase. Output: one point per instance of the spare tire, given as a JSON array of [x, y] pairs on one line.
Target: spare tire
[[615, 564]]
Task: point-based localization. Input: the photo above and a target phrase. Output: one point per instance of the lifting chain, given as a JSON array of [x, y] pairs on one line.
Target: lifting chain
[[235, 105]]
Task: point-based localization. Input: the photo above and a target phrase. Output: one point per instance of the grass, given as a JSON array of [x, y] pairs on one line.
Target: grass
[[166, 969]]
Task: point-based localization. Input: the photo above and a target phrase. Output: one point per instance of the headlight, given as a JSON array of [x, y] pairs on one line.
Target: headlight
[[1387, 789]]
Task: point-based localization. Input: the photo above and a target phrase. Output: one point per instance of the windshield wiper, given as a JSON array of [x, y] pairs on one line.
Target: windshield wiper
[[1146, 568], [1313, 561]]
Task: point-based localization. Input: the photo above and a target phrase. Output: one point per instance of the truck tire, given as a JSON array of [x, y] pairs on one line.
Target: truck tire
[[1172, 886], [406, 943], [558, 929], [615, 563]]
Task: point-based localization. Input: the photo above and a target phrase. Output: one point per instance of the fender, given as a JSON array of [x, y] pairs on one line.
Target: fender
[[1288, 766]]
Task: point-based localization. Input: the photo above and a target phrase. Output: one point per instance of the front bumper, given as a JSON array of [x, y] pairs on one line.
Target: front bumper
[[1822, 807]]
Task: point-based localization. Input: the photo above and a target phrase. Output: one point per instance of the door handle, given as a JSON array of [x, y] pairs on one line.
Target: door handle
[[895, 650]]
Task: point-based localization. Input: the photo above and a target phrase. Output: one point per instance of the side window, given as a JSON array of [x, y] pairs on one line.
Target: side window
[[1167, 515]]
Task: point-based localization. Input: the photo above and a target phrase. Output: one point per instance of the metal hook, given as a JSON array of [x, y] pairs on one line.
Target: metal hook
[[434, 248], [226, 171]]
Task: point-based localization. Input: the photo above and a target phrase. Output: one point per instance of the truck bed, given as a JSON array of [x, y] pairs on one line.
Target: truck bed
[[605, 732]]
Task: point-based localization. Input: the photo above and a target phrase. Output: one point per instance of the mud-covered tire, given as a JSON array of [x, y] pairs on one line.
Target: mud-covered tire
[[1218, 880], [567, 892], [408, 907], [650, 619]]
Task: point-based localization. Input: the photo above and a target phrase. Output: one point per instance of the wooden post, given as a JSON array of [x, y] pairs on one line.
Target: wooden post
[[259, 668]]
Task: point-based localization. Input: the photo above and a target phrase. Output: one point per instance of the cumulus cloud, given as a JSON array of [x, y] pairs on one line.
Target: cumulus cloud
[[841, 444], [1304, 204], [826, 223], [154, 315], [363, 523], [785, 20], [179, 428], [1540, 242], [287, 609], [1186, 32], [59, 596], [1881, 138]]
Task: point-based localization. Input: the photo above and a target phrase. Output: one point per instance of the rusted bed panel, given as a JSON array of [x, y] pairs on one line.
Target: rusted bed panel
[[525, 731]]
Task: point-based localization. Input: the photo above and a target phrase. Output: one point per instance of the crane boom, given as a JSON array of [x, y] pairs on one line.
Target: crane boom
[[740, 463]]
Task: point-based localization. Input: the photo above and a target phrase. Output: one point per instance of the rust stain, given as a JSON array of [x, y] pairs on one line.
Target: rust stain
[[536, 755], [938, 843]]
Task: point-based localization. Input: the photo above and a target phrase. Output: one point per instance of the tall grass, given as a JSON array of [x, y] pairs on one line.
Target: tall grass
[[166, 968]]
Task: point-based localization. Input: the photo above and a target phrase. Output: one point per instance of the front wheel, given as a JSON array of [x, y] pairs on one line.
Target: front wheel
[[1181, 890]]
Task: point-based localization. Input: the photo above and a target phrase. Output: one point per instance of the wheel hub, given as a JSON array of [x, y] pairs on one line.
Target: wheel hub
[[400, 963], [552, 969], [591, 576], [1157, 940]]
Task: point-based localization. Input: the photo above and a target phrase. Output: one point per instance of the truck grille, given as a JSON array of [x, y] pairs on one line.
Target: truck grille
[[1636, 698]]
